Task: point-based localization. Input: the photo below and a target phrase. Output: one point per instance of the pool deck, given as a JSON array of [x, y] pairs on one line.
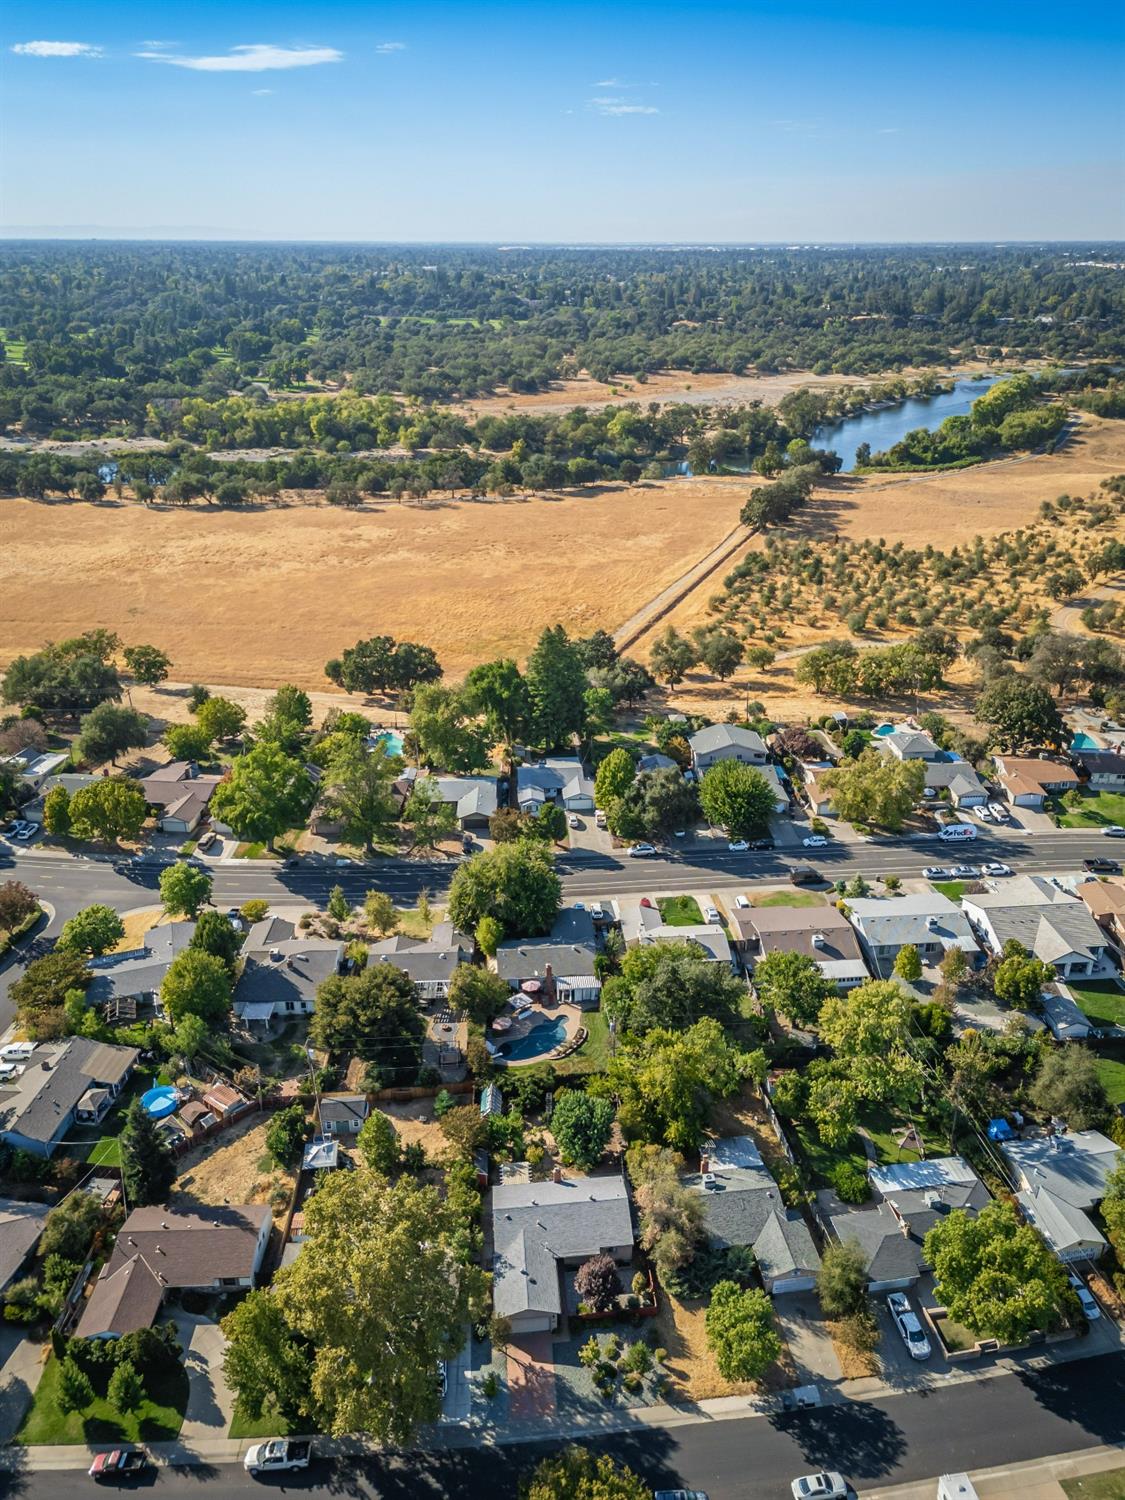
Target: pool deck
[[534, 1016]]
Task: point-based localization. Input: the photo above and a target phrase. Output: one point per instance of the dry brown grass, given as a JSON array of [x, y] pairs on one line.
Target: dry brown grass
[[681, 1328], [262, 597], [855, 1364], [415, 1121], [233, 1168]]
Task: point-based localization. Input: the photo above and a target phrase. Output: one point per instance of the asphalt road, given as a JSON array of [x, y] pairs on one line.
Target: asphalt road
[[998, 1420], [69, 883]]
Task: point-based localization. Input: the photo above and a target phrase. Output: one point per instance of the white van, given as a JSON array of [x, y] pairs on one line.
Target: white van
[[957, 833], [956, 1487]]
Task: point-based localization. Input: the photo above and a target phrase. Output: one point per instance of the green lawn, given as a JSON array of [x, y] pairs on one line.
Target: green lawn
[[106, 1152], [954, 889], [788, 898], [1096, 810], [680, 911], [1111, 1071], [1107, 1486], [157, 1420], [881, 1125], [267, 1426], [593, 1055], [253, 851], [1103, 1001], [821, 1159]]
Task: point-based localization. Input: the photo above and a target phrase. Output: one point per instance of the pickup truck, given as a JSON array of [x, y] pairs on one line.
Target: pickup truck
[[278, 1454], [119, 1463]]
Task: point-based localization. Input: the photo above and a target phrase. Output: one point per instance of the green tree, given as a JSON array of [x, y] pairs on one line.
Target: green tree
[[185, 1041], [215, 933], [70, 1227], [197, 984], [339, 906], [792, 985], [108, 730], [997, 1277], [67, 678], [672, 656], [489, 935], [187, 742], [148, 1168], [40, 992], [184, 889], [499, 690], [657, 805], [668, 985], [75, 1393], [556, 684], [740, 1332], [268, 792], [220, 718], [869, 1029], [614, 776], [736, 797], [908, 963], [287, 1133], [56, 811], [841, 1282], [266, 1363], [373, 1015], [292, 703], [1021, 715], [107, 809], [480, 993], [358, 793], [429, 817], [380, 912], [578, 1474], [148, 664], [1019, 978], [549, 822], [1068, 1085], [581, 1125], [444, 731], [17, 903], [876, 789], [126, 1392], [833, 1107], [378, 1335], [379, 1144], [720, 650], [93, 930], [515, 883]]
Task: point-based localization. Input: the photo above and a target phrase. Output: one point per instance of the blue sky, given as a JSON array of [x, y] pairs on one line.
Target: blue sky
[[564, 121]]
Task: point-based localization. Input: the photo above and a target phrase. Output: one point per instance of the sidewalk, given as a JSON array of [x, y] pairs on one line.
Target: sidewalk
[[1037, 1480]]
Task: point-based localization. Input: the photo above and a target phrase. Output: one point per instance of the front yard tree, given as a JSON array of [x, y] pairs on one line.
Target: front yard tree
[[267, 793], [109, 730], [659, 804], [17, 903], [56, 811], [197, 984], [598, 1283], [108, 809], [379, 1144], [1021, 714], [287, 1133], [876, 789], [358, 793], [184, 889], [792, 985], [577, 1474], [428, 816], [740, 1332], [39, 994], [736, 797], [668, 985], [266, 1363], [1068, 1085], [996, 1274], [75, 1393], [339, 907], [125, 1392], [614, 776], [148, 664], [380, 913], [215, 933], [94, 930], [377, 1335], [908, 964], [148, 1168], [869, 1030], [446, 737], [1019, 978], [480, 993], [373, 1015], [581, 1126], [841, 1282], [515, 883], [220, 718]]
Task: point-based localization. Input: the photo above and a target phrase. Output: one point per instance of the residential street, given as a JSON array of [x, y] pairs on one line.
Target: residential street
[[997, 1420]]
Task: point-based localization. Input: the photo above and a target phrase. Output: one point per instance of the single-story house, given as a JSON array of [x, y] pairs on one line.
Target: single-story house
[[906, 743], [473, 798], [282, 979], [821, 933], [33, 767], [1065, 1018], [75, 1079], [430, 965], [138, 973], [21, 1224], [708, 938], [1070, 1232], [928, 919], [657, 762], [742, 1205], [70, 781], [726, 742], [1028, 782], [1105, 901], [562, 961], [957, 778], [920, 1193], [1072, 1168], [893, 1254], [1105, 769], [561, 778], [180, 794], [540, 1228], [1050, 923], [161, 1249], [343, 1114]]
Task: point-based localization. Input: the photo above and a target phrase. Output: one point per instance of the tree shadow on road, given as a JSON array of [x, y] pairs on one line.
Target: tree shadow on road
[[858, 1435]]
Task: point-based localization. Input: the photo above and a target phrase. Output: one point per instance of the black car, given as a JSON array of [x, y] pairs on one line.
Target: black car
[[1102, 866], [762, 844], [805, 875]]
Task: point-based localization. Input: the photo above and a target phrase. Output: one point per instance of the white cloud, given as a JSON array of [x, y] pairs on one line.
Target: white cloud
[[57, 49], [257, 57], [889, 130], [611, 106], [261, 91], [391, 47], [610, 83]]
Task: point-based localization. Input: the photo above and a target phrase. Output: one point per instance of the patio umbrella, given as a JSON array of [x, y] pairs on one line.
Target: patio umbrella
[[531, 986]]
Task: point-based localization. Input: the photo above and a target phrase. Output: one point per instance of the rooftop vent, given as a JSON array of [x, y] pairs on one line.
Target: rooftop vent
[[819, 940]]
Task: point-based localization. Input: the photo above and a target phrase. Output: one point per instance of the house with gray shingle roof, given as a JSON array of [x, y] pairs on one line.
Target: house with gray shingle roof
[[282, 979], [726, 742], [563, 959], [1050, 923], [59, 1084], [138, 973], [929, 920], [21, 1224], [893, 1259], [540, 1229]]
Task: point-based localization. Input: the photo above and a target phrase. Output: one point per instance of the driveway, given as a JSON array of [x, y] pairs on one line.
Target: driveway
[[210, 1403], [802, 1324], [899, 1369], [21, 1366]]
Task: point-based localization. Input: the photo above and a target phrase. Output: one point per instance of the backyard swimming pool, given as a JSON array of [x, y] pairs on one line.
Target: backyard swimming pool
[[391, 739], [1083, 742], [543, 1037]]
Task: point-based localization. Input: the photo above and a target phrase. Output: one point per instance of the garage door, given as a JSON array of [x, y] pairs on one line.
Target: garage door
[[793, 1284]]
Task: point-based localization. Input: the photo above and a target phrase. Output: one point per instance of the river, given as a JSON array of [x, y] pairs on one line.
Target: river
[[888, 426]]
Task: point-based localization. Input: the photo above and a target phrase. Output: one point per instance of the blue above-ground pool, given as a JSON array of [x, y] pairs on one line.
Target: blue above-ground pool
[[160, 1101], [543, 1037]]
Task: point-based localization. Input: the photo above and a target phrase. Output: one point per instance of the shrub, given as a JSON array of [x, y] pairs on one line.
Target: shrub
[[849, 1182], [598, 1283], [490, 1385]]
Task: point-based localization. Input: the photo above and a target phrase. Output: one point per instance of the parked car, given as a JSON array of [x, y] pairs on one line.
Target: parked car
[[738, 846], [994, 867], [597, 911], [964, 872], [1086, 1297], [805, 875], [277, 1455], [1114, 831], [828, 1485], [1102, 866], [999, 812], [642, 851], [25, 831], [679, 1495], [937, 872], [711, 914], [574, 820], [207, 840], [906, 1321], [119, 1464], [599, 818], [760, 844], [742, 902], [815, 841]]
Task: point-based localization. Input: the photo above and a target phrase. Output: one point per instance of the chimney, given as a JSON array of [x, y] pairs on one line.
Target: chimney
[[704, 1165]]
